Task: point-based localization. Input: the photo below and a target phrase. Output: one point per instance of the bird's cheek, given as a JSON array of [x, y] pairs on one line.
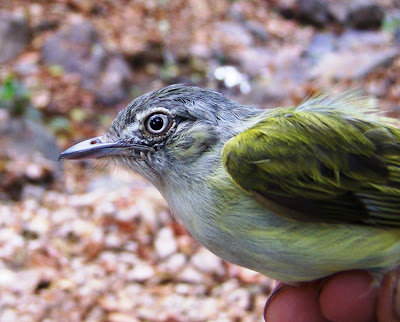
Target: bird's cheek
[[191, 147]]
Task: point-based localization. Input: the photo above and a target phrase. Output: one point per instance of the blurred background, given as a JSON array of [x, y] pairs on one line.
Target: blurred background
[[83, 241]]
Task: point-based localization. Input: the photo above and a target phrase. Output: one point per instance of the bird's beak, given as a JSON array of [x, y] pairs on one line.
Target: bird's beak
[[98, 147]]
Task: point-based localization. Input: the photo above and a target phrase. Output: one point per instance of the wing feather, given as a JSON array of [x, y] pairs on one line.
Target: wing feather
[[316, 164]]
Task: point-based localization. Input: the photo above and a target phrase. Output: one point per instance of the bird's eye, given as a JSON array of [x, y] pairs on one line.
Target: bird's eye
[[158, 124]]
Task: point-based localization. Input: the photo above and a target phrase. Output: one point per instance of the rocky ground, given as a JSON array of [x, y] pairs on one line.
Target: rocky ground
[[83, 241]]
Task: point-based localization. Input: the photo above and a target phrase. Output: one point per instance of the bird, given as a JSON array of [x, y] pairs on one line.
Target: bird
[[296, 193]]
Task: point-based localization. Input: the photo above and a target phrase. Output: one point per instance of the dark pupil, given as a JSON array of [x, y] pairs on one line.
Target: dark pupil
[[156, 123]]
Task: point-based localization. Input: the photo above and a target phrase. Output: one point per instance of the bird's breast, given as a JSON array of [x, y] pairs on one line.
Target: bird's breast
[[232, 225], [219, 215]]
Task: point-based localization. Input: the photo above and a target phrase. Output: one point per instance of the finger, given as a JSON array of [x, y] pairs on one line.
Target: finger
[[294, 303], [388, 307], [349, 296]]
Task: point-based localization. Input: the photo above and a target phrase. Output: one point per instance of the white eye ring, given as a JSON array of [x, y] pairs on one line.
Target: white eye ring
[[158, 123]]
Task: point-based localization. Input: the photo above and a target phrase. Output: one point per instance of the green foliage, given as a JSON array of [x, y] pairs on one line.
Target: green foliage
[[391, 25], [56, 70], [105, 120], [135, 91], [168, 71], [78, 115], [60, 124], [14, 96]]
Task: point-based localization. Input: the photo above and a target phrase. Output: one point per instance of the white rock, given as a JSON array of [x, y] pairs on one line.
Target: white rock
[[7, 278], [9, 315], [173, 264], [240, 298], [131, 246], [38, 224], [24, 281], [120, 317], [114, 240], [10, 242], [165, 243], [27, 280], [190, 275], [207, 262], [249, 276], [141, 272], [129, 214], [105, 208], [227, 287], [190, 289]]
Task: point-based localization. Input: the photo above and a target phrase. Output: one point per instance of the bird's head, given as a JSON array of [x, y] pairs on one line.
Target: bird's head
[[171, 133]]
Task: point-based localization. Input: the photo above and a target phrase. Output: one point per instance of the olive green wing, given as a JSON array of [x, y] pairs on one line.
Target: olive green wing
[[320, 165]]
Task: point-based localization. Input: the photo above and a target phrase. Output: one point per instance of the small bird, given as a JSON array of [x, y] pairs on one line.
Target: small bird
[[295, 193]]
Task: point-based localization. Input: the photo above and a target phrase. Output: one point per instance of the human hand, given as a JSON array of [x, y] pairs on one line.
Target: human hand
[[346, 296]]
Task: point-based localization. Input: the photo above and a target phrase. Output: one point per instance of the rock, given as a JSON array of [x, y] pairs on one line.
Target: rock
[[119, 317], [37, 225], [27, 137], [321, 44], [11, 243], [150, 206], [349, 56], [268, 89], [225, 288], [287, 8], [250, 277], [87, 6], [232, 78], [257, 30], [254, 60], [107, 182], [190, 275], [350, 65], [173, 264], [141, 272], [184, 308], [355, 39], [165, 243], [9, 314], [69, 47], [190, 289], [279, 79], [339, 9], [233, 33], [114, 81], [364, 14], [240, 298], [14, 36], [21, 281], [8, 278], [114, 240], [254, 27], [351, 40], [315, 12], [207, 262], [79, 49], [30, 155], [360, 14], [31, 191], [27, 64]]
